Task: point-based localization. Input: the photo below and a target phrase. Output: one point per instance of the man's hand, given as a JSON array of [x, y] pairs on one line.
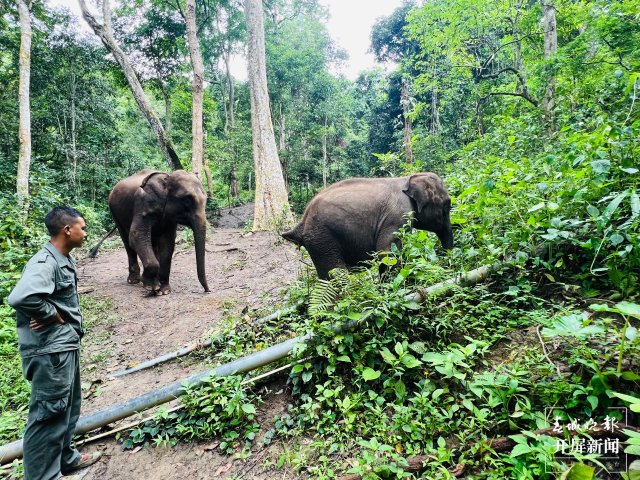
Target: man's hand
[[40, 325]]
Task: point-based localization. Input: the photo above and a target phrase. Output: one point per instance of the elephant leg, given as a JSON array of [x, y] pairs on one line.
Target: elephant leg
[[327, 258], [134, 268], [383, 245], [165, 245], [140, 238]]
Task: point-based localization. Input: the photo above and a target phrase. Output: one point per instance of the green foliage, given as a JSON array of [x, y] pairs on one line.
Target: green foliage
[[218, 407]]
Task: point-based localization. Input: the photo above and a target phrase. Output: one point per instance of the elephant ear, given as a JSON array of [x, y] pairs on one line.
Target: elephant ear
[[155, 189], [422, 189], [152, 174]]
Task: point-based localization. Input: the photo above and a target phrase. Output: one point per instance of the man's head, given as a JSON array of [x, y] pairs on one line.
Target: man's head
[[67, 225]]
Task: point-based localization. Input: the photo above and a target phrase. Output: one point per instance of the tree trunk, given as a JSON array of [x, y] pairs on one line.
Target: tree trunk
[[104, 33], [197, 93], [324, 153], [233, 187], [283, 140], [271, 202], [74, 133], [167, 104], [207, 172], [550, 48], [404, 102], [231, 89], [24, 127], [435, 115]]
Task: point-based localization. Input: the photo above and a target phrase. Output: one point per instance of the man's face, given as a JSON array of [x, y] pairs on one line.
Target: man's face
[[76, 233]]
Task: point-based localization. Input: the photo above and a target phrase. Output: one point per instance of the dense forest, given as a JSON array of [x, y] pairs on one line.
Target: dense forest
[[529, 113]]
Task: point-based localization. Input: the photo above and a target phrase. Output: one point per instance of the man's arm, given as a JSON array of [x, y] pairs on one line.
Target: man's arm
[[29, 295]]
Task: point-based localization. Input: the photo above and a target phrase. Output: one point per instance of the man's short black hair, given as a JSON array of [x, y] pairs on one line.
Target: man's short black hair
[[59, 217]]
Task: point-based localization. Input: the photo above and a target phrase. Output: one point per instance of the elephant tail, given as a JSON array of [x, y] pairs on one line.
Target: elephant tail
[[295, 235], [94, 251]]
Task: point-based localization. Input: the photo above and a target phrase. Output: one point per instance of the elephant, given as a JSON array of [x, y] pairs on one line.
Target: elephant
[[344, 224], [147, 208]]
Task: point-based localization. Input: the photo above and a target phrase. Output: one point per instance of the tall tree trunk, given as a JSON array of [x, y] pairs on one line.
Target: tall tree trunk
[[271, 202], [197, 141], [207, 172], [282, 140], [405, 103], [74, 133], [324, 153], [166, 94], [550, 48], [233, 187], [231, 89], [104, 33], [435, 115], [24, 127]]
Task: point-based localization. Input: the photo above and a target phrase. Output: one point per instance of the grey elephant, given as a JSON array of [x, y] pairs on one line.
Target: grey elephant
[[147, 208], [343, 225]]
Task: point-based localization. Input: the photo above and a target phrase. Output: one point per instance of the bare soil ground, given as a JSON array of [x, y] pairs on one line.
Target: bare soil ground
[[245, 272]]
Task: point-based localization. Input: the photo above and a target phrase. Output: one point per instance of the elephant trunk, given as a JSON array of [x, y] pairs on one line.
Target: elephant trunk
[[446, 238], [199, 236]]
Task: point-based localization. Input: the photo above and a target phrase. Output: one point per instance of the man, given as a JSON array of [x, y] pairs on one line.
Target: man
[[49, 325]]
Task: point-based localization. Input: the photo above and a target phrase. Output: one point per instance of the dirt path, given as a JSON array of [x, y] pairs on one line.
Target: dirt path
[[245, 272]]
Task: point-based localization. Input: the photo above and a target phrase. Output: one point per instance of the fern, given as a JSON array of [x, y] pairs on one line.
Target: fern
[[326, 292]]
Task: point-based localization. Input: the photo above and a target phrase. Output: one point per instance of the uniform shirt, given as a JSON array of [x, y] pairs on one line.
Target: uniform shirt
[[48, 284]]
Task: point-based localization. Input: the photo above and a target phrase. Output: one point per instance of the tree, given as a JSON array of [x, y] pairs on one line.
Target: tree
[[271, 200], [197, 91], [550, 48], [104, 33], [24, 130]]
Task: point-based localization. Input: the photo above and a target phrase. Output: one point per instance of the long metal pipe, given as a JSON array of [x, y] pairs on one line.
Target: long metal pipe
[[255, 360], [165, 394]]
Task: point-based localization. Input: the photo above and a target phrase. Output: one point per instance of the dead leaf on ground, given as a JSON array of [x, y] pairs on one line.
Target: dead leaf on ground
[[223, 469]]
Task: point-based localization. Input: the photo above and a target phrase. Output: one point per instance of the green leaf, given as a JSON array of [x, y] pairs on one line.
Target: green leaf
[[410, 361], [572, 326], [520, 449], [578, 471], [370, 374], [387, 356], [343, 358], [635, 205], [631, 333], [628, 308], [630, 170], [634, 467], [601, 166], [633, 401], [536, 207], [614, 204], [306, 376], [593, 211], [248, 408], [616, 239]]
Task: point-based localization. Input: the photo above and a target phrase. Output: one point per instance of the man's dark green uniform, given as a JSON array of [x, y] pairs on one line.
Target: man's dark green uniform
[[50, 361]]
